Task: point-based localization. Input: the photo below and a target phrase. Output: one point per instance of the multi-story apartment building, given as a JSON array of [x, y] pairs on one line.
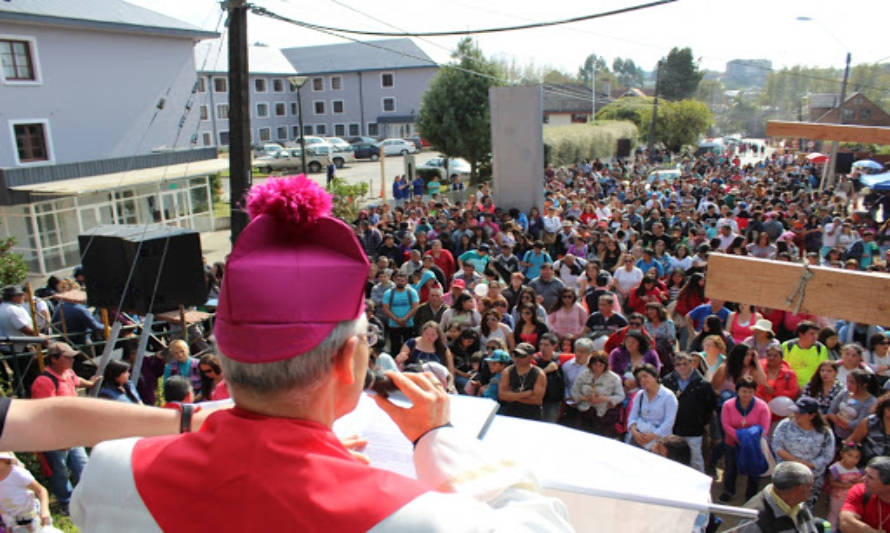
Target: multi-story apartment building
[[94, 125], [274, 114], [372, 89]]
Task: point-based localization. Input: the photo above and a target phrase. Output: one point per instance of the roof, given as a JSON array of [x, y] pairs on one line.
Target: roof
[[386, 54], [568, 98], [107, 182], [261, 59], [823, 100], [114, 15]]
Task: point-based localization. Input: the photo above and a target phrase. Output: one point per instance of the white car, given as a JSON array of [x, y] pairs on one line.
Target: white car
[[338, 156], [664, 175], [456, 165], [397, 147]]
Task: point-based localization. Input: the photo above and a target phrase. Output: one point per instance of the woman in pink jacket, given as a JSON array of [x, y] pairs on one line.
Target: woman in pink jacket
[[567, 316], [745, 410]]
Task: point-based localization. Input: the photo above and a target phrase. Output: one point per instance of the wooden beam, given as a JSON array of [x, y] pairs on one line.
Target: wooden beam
[[828, 132], [831, 292]]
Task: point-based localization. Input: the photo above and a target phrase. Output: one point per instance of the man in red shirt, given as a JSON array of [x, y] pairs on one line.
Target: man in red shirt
[[60, 380], [867, 507]]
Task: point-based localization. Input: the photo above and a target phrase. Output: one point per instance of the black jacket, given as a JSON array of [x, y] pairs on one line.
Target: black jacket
[[695, 405]]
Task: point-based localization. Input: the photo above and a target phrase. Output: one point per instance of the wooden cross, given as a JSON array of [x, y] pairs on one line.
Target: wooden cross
[[862, 297]]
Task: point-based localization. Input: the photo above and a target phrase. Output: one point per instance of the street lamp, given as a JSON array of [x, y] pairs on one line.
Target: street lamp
[[297, 82]]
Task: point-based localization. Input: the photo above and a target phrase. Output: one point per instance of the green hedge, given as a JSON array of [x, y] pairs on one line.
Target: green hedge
[[569, 144]]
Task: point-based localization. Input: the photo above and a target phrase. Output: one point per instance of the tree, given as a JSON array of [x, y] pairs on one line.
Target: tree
[[13, 269], [454, 114], [593, 61], [677, 124], [627, 73], [679, 75]]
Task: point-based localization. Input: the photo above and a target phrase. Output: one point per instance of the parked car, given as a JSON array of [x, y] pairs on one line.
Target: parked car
[[337, 142], [290, 159], [339, 156], [311, 139], [267, 149], [455, 166], [397, 147], [363, 140], [366, 151]]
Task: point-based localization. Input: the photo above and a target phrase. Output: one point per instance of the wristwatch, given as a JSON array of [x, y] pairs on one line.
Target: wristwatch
[[186, 411]]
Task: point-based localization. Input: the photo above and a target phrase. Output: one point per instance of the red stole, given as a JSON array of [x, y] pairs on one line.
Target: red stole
[[247, 472]]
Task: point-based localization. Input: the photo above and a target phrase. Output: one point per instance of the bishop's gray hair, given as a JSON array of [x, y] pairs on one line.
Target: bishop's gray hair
[[299, 373]]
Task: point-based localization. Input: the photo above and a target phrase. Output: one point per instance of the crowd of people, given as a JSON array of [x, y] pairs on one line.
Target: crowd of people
[[590, 311]]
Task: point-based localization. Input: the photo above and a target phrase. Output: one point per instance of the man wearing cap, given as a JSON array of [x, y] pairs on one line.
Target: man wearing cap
[[295, 359], [14, 319], [522, 387], [60, 380], [506, 263]]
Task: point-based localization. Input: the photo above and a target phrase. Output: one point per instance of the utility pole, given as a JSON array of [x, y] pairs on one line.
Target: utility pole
[[654, 114], [829, 182], [239, 115]]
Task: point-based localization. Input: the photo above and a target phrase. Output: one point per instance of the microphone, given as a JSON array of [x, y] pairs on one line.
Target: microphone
[[379, 383]]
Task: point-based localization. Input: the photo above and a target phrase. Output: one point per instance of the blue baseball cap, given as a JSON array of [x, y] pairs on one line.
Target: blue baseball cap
[[499, 356]]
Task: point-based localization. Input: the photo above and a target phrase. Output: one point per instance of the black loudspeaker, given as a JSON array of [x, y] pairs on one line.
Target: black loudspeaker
[[623, 149], [844, 163], [110, 251]]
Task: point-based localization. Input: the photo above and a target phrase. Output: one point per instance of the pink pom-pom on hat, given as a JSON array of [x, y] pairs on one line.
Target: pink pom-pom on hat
[[294, 273]]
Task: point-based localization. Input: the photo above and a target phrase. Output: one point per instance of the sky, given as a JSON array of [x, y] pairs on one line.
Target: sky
[[716, 30]]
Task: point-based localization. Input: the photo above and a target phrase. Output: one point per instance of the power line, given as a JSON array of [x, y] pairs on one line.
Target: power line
[[503, 80], [265, 12]]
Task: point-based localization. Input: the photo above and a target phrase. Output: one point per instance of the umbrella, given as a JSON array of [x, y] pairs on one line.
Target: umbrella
[[876, 182], [868, 163], [816, 157]]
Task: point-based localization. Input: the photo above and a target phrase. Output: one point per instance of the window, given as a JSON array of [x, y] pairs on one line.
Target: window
[[372, 129], [220, 85], [222, 111], [354, 130], [278, 85], [336, 83], [579, 118], [30, 140], [307, 129], [295, 130], [386, 79], [205, 113], [389, 104], [864, 114], [318, 107], [293, 109], [265, 134], [337, 106], [317, 84], [259, 85], [18, 60], [201, 86], [262, 110], [321, 129], [280, 109], [339, 130], [224, 138], [282, 132], [207, 140]]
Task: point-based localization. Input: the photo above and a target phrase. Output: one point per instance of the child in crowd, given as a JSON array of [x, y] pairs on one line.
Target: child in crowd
[[842, 475], [24, 503]]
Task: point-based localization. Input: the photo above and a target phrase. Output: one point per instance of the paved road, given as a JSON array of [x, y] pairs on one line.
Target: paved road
[[366, 171]]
